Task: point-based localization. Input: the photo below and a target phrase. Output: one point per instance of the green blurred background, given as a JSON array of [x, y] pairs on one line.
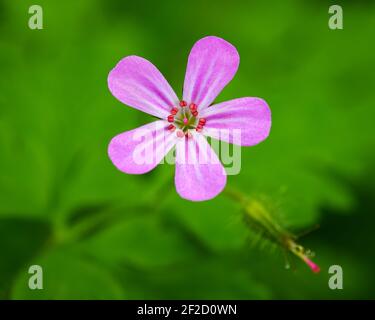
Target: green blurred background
[[101, 234]]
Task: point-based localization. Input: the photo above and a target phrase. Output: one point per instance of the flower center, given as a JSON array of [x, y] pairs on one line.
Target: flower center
[[184, 118]]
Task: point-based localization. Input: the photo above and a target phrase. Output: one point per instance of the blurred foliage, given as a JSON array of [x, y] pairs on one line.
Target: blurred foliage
[[101, 234]]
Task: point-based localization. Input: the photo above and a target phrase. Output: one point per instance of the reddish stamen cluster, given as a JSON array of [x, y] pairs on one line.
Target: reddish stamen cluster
[[194, 112]]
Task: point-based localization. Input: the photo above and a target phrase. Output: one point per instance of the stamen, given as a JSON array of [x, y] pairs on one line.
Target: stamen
[[170, 118], [193, 107], [188, 134], [174, 111], [194, 113], [202, 121], [171, 127], [183, 103], [199, 128]]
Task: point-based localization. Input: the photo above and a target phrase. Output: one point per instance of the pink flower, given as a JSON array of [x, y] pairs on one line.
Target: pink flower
[[184, 123]]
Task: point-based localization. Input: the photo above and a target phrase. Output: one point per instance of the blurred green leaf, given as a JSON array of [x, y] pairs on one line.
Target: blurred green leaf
[[143, 242], [218, 223], [67, 275], [20, 241], [217, 277]]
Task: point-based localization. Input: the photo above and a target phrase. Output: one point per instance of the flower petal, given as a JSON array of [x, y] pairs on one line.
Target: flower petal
[[212, 64], [199, 174], [141, 150], [138, 83], [246, 118]]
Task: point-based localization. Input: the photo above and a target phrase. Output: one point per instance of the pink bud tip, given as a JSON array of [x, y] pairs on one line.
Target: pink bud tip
[[314, 267], [186, 121]]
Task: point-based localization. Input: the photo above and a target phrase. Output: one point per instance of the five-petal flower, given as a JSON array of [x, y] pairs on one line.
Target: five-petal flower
[[184, 123]]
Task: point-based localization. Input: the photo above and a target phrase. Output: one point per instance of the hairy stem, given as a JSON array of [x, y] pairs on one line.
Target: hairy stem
[[259, 219]]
